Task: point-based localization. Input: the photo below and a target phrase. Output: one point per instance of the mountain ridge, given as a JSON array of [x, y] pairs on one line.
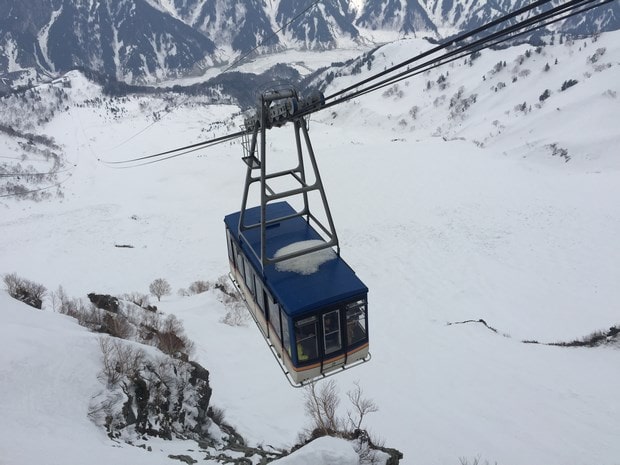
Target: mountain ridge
[[144, 41]]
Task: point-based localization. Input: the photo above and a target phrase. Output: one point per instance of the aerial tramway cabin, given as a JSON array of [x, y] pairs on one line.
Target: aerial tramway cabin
[[313, 314], [285, 261]]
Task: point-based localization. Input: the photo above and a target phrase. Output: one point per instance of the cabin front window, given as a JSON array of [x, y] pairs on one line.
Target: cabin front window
[[331, 331], [305, 335], [356, 322]]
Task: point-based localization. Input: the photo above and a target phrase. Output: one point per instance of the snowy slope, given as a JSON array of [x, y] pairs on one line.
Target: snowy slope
[[445, 219], [49, 370], [48, 374], [493, 119]]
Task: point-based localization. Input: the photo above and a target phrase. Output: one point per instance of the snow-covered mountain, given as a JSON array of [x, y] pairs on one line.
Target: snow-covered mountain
[[148, 40], [238, 24], [597, 20], [407, 17], [138, 40], [468, 14], [465, 15], [321, 26], [129, 39]]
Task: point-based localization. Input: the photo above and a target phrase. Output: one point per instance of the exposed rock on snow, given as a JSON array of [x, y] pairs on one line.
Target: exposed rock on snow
[[104, 302]]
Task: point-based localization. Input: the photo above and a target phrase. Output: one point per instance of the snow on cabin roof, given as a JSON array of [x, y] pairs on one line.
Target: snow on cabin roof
[[308, 263], [334, 281]]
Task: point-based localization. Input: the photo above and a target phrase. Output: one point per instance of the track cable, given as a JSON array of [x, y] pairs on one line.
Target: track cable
[[455, 52], [466, 50], [228, 68]]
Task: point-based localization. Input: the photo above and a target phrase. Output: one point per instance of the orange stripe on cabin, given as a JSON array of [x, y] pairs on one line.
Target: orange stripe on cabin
[[326, 362]]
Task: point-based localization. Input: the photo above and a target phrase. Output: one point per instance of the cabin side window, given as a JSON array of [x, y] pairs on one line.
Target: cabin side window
[[286, 338], [331, 331], [274, 315], [249, 276], [260, 293], [356, 322], [233, 252], [305, 335], [229, 241], [239, 263]]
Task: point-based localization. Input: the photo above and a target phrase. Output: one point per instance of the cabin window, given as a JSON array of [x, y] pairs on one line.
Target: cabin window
[[249, 276], [305, 335], [234, 258], [239, 263], [233, 252], [229, 241], [331, 331], [356, 322], [260, 294], [274, 316], [286, 338]]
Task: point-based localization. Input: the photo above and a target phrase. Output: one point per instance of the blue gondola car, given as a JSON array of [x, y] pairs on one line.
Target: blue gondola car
[[316, 322]]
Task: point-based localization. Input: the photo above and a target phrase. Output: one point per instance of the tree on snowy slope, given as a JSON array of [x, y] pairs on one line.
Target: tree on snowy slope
[[159, 288]]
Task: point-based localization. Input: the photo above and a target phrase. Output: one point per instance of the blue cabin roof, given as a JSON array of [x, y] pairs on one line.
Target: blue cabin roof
[[298, 294]]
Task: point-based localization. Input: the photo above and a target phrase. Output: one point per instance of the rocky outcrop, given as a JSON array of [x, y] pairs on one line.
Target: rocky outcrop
[[104, 302]]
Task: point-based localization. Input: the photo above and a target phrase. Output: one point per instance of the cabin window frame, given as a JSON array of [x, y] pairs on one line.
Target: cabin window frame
[[239, 263], [260, 293], [356, 321], [304, 346], [332, 335], [248, 276], [286, 331], [230, 244], [233, 248], [273, 313]]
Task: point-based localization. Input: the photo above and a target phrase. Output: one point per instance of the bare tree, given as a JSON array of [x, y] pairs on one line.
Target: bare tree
[[116, 325], [159, 288], [171, 338], [321, 406], [236, 314], [361, 407], [119, 359], [198, 287], [27, 291], [172, 325], [139, 299]]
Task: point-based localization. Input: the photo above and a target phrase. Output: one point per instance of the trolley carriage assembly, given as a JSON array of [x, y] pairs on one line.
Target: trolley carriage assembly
[[285, 261]]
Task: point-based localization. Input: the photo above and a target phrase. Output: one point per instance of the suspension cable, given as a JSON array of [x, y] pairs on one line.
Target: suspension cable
[[184, 150], [448, 43], [25, 174], [202, 146], [479, 44], [423, 68], [537, 21], [228, 68], [275, 33], [32, 191]]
